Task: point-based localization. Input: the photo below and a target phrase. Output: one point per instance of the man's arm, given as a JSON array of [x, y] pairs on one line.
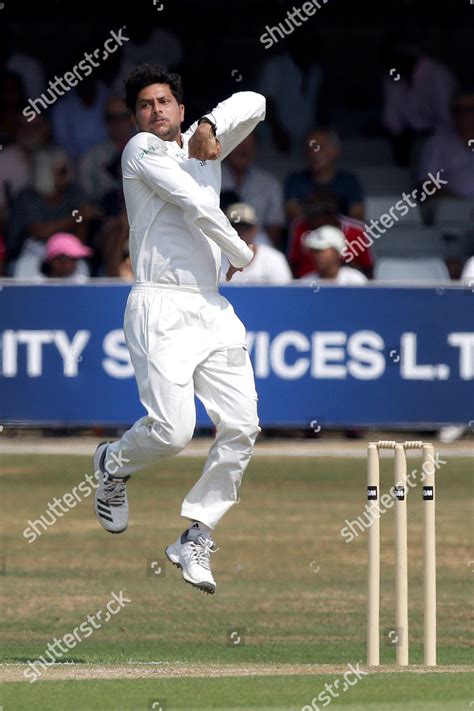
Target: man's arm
[[173, 185], [204, 144], [234, 119]]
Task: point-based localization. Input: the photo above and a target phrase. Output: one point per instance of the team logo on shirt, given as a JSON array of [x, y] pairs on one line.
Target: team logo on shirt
[[152, 148]]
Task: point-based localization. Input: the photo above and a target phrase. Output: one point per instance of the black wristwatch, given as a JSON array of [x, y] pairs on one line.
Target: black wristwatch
[[206, 119]]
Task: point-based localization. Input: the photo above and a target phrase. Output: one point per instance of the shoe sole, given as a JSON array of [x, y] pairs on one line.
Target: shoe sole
[[108, 529], [115, 533], [204, 587]]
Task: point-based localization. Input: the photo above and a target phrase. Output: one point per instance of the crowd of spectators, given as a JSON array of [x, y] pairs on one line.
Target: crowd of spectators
[[288, 188]]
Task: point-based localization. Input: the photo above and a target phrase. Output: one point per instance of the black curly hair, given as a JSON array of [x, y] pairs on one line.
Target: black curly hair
[[146, 74]]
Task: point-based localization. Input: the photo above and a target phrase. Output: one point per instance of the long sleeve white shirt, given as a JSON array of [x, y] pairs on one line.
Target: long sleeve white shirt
[[177, 230], [269, 266]]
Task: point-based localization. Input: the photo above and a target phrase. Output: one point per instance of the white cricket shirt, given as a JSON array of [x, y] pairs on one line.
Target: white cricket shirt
[[177, 230], [269, 266]]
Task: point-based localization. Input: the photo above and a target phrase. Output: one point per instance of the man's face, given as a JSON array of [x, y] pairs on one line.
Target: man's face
[[158, 112], [246, 232], [321, 150], [63, 266], [326, 259]]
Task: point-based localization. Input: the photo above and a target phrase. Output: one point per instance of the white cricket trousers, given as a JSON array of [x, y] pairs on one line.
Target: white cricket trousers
[[185, 342]]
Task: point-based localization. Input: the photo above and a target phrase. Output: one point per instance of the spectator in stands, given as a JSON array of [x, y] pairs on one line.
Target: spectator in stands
[[78, 118], [64, 258], [417, 96], [125, 271], [322, 208], [327, 244], [12, 102], [97, 174], [451, 149], [323, 149], [227, 198], [255, 187], [468, 274], [53, 203], [29, 68], [15, 160], [269, 266], [291, 84], [113, 233], [113, 245]]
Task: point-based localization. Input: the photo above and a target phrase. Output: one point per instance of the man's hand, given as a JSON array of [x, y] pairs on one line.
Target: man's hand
[[203, 145], [231, 270]]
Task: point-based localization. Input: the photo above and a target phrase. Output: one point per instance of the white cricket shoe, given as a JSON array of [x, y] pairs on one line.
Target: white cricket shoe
[[111, 503], [192, 554]]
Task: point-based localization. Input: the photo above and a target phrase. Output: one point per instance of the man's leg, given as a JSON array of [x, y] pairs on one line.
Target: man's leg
[[224, 383], [166, 394], [165, 431]]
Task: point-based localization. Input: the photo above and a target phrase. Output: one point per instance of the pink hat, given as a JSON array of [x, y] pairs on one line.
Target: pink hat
[[67, 244]]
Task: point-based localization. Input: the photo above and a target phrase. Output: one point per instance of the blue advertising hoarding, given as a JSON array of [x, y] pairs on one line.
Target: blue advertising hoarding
[[323, 356]]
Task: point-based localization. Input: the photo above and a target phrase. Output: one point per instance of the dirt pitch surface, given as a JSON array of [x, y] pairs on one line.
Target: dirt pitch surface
[[330, 446], [61, 672]]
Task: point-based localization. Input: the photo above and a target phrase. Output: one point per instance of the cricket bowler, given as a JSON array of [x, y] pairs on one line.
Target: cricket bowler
[[183, 336]]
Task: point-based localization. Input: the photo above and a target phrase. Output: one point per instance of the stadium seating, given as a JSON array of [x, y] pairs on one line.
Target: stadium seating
[[410, 253], [367, 151], [384, 180], [411, 270], [457, 237], [409, 241], [451, 211], [377, 205]]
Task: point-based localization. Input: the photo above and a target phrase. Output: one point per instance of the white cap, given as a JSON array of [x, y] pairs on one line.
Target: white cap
[[241, 212], [325, 237]]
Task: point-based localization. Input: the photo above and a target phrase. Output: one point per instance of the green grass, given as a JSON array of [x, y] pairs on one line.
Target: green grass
[[287, 582], [390, 692]]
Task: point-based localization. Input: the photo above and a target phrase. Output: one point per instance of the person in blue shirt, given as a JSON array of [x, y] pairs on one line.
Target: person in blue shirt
[[323, 149]]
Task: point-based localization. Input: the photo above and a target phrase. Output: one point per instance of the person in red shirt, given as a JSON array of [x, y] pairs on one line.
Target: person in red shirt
[[322, 208]]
